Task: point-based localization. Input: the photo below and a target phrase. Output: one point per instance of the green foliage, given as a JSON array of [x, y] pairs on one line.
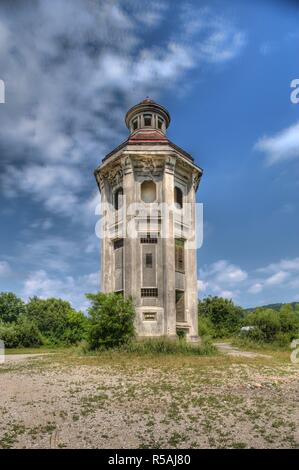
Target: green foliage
[[76, 329], [9, 334], [11, 307], [273, 326], [23, 333], [111, 320], [181, 334], [57, 320], [168, 346], [206, 327], [223, 317], [28, 333]]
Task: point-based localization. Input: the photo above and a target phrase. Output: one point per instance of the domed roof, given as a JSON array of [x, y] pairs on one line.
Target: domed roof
[[147, 105]]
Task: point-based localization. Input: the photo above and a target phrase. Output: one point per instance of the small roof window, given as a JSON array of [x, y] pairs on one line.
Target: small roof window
[[160, 123], [147, 119]]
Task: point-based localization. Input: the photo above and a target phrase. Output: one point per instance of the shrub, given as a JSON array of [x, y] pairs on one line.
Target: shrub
[[57, 320], [76, 329], [28, 333], [23, 333], [9, 334], [223, 316], [205, 327], [273, 326], [11, 307], [111, 320], [267, 323]]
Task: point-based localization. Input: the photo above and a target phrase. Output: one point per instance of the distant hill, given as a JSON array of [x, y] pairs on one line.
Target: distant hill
[[272, 306]]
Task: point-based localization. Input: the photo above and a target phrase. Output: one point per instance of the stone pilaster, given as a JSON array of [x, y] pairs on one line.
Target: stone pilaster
[[169, 249]]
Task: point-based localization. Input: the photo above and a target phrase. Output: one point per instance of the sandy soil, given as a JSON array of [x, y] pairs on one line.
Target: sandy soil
[[125, 401]]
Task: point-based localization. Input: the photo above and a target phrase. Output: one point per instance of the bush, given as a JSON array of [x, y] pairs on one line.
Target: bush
[[266, 322], [57, 320], [224, 318], [9, 335], [273, 326], [111, 320], [23, 333], [205, 327], [76, 329], [28, 333], [11, 307]]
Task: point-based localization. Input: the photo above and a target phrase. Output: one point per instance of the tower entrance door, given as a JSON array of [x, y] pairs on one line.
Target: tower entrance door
[[180, 305]]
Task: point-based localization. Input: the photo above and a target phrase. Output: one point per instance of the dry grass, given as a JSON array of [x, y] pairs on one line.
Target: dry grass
[[123, 400]]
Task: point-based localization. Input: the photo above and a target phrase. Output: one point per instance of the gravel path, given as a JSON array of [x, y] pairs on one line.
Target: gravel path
[[12, 358], [227, 348]]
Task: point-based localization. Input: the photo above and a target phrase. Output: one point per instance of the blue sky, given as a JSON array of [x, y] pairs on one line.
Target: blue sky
[[222, 68]]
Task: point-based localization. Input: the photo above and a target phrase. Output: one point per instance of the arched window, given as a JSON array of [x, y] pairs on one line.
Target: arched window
[[135, 124], [178, 197], [160, 123], [118, 197], [148, 191], [147, 119]]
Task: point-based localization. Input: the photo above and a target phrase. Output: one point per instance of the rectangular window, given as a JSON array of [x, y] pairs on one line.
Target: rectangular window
[[149, 260], [118, 243], [149, 316], [180, 306], [149, 292], [149, 238], [160, 123], [179, 256]]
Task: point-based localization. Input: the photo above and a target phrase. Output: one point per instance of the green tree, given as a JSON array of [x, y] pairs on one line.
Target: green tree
[[224, 317], [76, 327], [267, 324], [56, 320], [111, 320], [280, 326], [289, 319], [23, 333], [11, 307]]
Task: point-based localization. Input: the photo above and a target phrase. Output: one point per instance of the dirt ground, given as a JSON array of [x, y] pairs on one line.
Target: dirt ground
[[127, 401]]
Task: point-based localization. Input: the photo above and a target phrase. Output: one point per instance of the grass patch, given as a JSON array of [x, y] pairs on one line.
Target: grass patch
[[249, 343], [164, 346]]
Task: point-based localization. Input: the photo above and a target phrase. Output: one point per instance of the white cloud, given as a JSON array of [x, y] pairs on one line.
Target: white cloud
[[44, 224], [153, 15], [228, 280], [5, 269], [222, 279], [277, 278], [40, 284], [224, 272], [57, 186], [201, 286], [66, 74], [284, 264], [223, 45], [255, 288], [282, 146], [227, 294]]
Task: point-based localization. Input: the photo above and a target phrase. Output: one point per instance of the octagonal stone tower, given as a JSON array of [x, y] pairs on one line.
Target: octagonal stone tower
[[148, 187]]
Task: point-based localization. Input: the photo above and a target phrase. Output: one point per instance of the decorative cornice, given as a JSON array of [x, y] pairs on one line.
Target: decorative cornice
[[196, 175], [170, 163]]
